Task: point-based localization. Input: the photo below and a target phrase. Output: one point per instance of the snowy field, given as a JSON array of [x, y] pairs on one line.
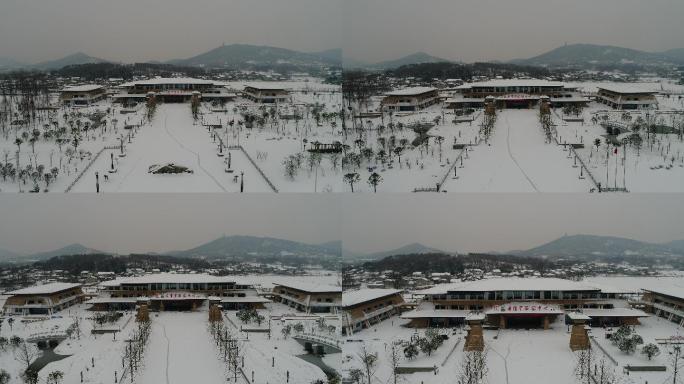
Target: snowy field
[[515, 356], [181, 348], [516, 158]]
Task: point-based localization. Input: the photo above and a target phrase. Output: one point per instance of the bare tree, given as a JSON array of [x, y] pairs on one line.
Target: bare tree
[[603, 373], [585, 361], [25, 354], [473, 368], [369, 361], [394, 359]]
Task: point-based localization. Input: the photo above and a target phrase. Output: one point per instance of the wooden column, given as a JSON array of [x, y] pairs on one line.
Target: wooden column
[[474, 339]]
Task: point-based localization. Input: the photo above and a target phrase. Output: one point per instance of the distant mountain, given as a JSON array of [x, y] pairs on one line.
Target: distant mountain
[[334, 247], [255, 247], [245, 55], [334, 55], [590, 54], [410, 249], [7, 63], [7, 255], [74, 59], [415, 58], [589, 246], [96, 262], [675, 54], [72, 249], [677, 245]]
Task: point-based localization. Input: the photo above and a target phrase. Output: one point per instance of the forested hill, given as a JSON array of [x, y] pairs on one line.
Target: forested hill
[[445, 70], [74, 264]]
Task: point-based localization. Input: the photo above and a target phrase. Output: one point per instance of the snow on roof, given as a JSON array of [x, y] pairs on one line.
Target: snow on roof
[[410, 91], [614, 312], [607, 288], [168, 80], [677, 291], [310, 287], [510, 284], [578, 316], [44, 289], [624, 88], [428, 313], [525, 308], [248, 299], [475, 316], [82, 88], [171, 278], [351, 298], [513, 83], [106, 300], [265, 86]]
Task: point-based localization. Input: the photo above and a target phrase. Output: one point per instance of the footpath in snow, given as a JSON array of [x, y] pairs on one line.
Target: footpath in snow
[[181, 351], [172, 138], [517, 159]]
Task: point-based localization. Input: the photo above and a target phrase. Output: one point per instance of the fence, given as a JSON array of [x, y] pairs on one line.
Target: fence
[[87, 167], [574, 152], [596, 343], [268, 181]]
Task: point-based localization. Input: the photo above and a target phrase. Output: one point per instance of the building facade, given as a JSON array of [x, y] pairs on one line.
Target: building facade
[[265, 94], [365, 307], [515, 93], [410, 99], [45, 299], [309, 298], [82, 95], [517, 302], [173, 90], [668, 304], [626, 97], [167, 291]]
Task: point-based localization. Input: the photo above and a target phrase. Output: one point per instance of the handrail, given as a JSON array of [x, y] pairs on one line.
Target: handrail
[[87, 167], [268, 181]]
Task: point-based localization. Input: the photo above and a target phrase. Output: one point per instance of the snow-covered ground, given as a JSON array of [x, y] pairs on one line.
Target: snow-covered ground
[[515, 356], [516, 158], [181, 348], [171, 137]]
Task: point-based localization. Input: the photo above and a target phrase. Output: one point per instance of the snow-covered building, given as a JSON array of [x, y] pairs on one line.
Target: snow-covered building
[[82, 95], [44, 299], [515, 93], [170, 291], [518, 302], [264, 94], [365, 307], [665, 303], [173, 90], [307, 297], [410, 99], [626, 97]]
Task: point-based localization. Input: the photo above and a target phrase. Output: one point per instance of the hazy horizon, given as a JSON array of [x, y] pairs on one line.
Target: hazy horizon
[[366, 30], [503, 222], [158, 30], [144, 223], [490, 30]]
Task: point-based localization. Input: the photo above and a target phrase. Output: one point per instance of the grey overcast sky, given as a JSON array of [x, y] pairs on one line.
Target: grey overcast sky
[[139, 30], [471, 30], [504, 222], [126, 223]]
